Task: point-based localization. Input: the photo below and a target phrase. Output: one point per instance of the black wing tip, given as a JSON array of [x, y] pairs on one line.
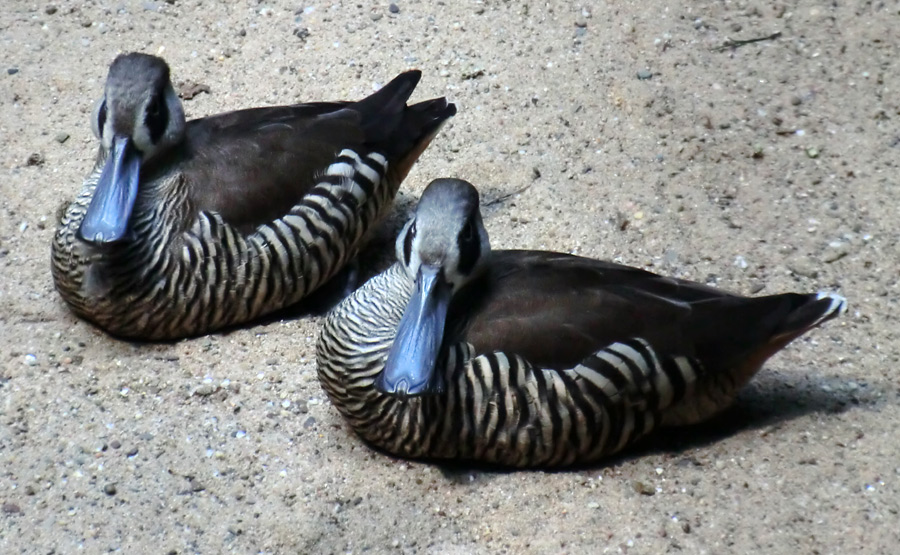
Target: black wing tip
[[400, 88], [814, 311], [438, 109]]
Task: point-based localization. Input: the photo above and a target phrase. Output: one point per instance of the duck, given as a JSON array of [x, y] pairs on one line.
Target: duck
[[184, 227], [536, 359]]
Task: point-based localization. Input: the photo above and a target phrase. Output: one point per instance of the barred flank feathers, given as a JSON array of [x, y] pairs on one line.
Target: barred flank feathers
[[275, 265]]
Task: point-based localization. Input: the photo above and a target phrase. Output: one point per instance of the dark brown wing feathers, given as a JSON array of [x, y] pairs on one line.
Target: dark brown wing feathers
[[253, 165], [556, 309]]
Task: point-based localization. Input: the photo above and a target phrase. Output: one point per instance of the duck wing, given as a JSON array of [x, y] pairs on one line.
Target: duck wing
[[557, 309], [252, 166]]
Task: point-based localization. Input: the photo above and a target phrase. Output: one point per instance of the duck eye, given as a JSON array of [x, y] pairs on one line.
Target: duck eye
[[407, 243], [468, 232], [101, 119], [156, 117]]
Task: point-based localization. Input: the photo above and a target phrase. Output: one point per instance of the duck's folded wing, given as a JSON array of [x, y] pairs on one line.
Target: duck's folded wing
[[253, 166], [556, 309]]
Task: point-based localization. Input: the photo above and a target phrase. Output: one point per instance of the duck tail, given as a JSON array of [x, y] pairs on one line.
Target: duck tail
[[402, 132]]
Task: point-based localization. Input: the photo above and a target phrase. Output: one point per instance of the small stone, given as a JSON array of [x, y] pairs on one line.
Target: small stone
[[205, 390], [375, 16], [132, 452], [580, 21], [593, 505], [115, 444], [686, 527], [110, 489], [189, 89], [393, 8], [11, 508], [835, 251], [50, 10], [62, 137], [301, 33], [812, 152], [643, 488], [644, 74], [310, 422], [29, 490], [803, 267], [35, 159], [12, 70], [31, 360]]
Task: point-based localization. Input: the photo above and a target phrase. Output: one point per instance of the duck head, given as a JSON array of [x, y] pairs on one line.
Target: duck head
[[138, 117], [442, 248]]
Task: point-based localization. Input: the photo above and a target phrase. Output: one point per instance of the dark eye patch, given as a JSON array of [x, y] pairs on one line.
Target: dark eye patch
[[469, 248], [101, 118], [407, 243], [156, 118]]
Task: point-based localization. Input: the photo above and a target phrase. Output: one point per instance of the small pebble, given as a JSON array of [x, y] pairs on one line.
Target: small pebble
[[62, 137], [11, 508], [29, 490], [803, 267], [643, 488], [109, 489], [31, 360], [205, 390], [644, 74], [376, 16], [50, 10], [12, 70], [310, 422], [393, 8], [812, 152], [756, 287], [115, 444], [35, 159], [593, 505], [835, 251], [132, 452]]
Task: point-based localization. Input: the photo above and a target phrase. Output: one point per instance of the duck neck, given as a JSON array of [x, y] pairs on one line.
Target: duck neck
[[357, 336]]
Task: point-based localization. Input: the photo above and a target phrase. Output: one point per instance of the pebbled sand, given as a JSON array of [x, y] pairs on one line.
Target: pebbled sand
[[768, 167]]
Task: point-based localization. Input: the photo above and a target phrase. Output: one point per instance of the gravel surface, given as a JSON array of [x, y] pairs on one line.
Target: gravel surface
[[648, 133]]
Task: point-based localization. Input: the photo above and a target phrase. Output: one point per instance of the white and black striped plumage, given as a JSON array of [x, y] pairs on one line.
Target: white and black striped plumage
[[542, 359], [186, 227]]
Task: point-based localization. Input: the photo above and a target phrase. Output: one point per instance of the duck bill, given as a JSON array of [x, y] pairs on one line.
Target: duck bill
[[411, 366], [108, 215]]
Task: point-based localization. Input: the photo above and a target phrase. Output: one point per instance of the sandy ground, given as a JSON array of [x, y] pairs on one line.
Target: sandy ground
[[613, 131]]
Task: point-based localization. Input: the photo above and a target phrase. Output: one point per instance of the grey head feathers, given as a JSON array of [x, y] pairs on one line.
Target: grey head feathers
[[139, 103], [447, 232]]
